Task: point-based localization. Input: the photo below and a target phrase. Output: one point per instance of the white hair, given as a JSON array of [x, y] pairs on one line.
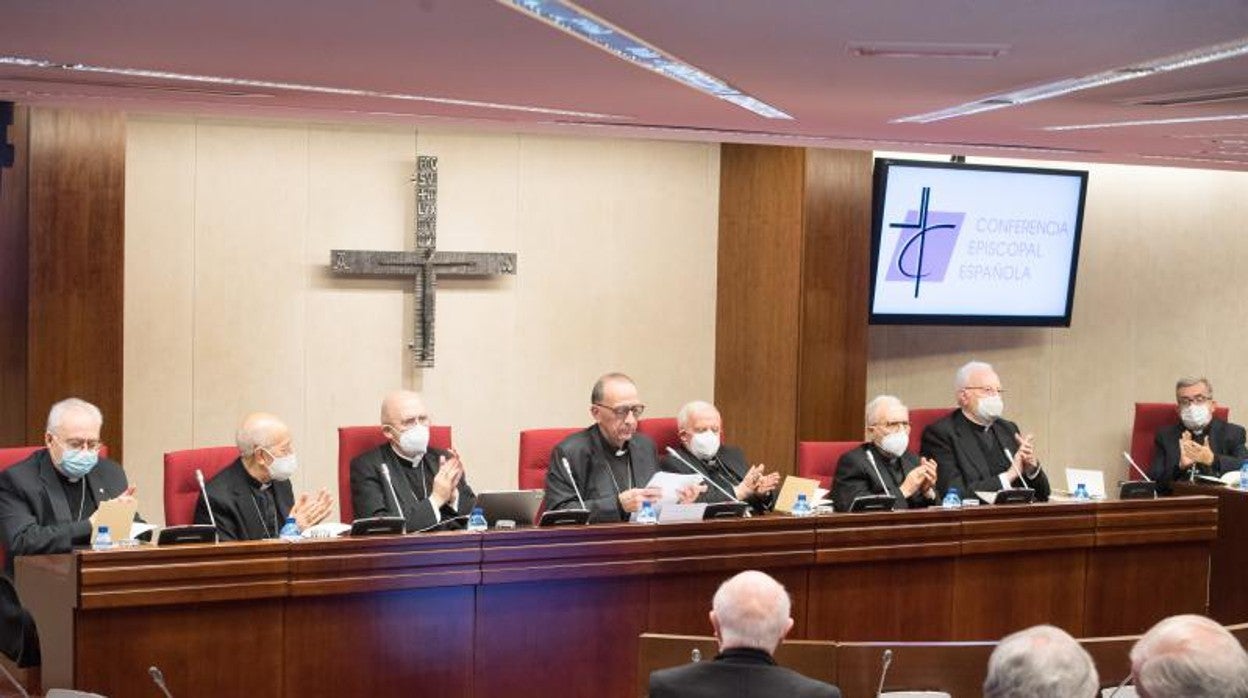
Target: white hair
[[1190, 655], [689, 409], [752, 610], [71, 404], [257, 431], [962, 378], [878, 403], [1040, 662]]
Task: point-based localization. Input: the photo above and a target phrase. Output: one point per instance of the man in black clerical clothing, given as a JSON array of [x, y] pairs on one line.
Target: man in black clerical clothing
[[252, 497], [1201, 443], [702, 451], [430, 484], [610, 461], [974, 448], [882, 465], [750, 615], [48, 503]]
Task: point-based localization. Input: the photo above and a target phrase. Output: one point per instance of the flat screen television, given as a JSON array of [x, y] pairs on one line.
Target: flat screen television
[[959, 244]]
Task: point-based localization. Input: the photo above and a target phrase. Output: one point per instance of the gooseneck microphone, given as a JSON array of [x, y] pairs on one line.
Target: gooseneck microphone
[[159, 679], [1131, 462], [20, 688], [887, 662], [199, 476], [878, 476], [385, 475], [568, 469], [706, 477]]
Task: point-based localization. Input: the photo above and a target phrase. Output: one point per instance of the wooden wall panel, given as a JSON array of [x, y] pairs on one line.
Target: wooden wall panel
[[77, 265], [14, 277]]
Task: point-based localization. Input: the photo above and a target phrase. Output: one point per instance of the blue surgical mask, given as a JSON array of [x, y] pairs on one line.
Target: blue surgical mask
[[76, 463]]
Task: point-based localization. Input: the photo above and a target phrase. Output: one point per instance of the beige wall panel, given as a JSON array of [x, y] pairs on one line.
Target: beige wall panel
[[159, 300]]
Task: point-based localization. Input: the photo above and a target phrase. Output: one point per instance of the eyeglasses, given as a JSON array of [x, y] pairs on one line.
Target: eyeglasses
[[80, 444], [1195, 400], [890, 427], [986, 389], [623, 411]]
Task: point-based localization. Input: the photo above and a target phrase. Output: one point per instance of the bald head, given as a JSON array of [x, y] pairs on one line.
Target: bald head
[[751, 610], [1040, 662], [1189, 655], [261, 430], [399, 405]]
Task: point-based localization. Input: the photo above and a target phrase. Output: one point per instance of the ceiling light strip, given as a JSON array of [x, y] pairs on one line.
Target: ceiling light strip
[[1149, 122], [567, 17]]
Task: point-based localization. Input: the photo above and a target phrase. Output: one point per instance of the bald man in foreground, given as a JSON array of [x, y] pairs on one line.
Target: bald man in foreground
[[1189, 655], [750, 615], [430, 484], [252, 497]]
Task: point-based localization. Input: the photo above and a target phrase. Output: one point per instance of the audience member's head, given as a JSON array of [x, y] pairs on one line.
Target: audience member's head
[[751, 610], [1189, 655], [1040, 662]]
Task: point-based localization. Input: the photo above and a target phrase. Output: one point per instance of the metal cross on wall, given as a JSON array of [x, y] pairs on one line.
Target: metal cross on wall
[[425, 265]]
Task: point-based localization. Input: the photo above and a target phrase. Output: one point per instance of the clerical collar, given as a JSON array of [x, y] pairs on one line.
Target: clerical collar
[[66, 478], [256, 484], [745, 654], [405, 459], [975, 421], [606, 445]]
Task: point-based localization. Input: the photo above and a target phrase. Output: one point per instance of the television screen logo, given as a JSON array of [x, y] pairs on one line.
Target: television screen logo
[[925, 245]]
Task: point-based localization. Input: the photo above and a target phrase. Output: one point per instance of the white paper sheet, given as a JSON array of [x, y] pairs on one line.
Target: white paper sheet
[[1094, 480], [672, 484]]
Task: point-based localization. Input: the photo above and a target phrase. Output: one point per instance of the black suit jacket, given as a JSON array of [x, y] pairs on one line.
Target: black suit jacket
[[951, 442], [856, 478], [584, 451], [727, 469], [739, 673], [1226, 440], [370, 496], [233, 495]]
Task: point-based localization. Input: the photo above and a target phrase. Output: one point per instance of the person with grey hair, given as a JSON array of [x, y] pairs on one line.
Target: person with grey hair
[[883, 465], [252, 498], [975, 449], [1040, 662], [1200, 443], [1189, 655], [700, 429], [750, 616], [49, 500]]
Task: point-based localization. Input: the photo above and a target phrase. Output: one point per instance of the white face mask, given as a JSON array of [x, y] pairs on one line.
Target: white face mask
[[415, 441], [704, 444], [895, 443], [1195, 417], [989, 407], [282, 467]]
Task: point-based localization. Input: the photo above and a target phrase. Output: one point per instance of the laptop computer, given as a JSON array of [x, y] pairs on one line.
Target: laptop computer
[[519, 506]]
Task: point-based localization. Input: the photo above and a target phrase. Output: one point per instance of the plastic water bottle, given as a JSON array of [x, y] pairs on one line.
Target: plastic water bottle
[[103, 539], [647, 515], [290, 530], [1243, 476], [476, 520], [801, 507], [952, 499], [1081, 493]]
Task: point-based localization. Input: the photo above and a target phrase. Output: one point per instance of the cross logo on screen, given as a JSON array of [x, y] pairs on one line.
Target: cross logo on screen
[[915, 256]]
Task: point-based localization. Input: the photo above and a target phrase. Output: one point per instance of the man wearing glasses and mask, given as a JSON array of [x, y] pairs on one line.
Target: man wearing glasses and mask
[[610, 461], [882, 465], [1201, 444], [974, 448], [429, 483], [48, 501]]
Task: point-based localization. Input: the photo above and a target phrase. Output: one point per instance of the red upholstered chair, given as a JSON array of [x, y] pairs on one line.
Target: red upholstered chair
[[1149, 417], [920, 418], [352, 441], [818, 459], [181, 488], [535, 448], [661, 430]]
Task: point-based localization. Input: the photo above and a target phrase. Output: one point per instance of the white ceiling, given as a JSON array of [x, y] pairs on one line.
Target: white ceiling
[[792, 54]]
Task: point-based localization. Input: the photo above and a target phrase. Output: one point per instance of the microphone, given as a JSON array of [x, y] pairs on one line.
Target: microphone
[[159, 679], [1131, 462], [20, 688], [199, 475], [887, 661], [568, 469], [871, 458], [696, 655], [689, 465], [1127, 680], [385, 474]]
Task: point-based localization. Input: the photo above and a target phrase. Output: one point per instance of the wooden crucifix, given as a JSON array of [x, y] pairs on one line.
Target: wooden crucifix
[[426, 264]]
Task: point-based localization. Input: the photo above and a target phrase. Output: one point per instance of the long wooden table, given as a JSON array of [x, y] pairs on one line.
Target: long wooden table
[[1229, 563], [543, 612]]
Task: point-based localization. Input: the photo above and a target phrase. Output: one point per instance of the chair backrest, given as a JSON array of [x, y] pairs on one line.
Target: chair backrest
[[352, 441], [818, 459], [181, 488], [920, 419], [535, 448], [661, 430], [1149, 417], [16, 454]]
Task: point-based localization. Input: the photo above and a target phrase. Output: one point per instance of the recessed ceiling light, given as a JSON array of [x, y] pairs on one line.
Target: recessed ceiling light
[[567, 17], [37, 63], [1187, 59], [1148, 122], [905, 49]]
